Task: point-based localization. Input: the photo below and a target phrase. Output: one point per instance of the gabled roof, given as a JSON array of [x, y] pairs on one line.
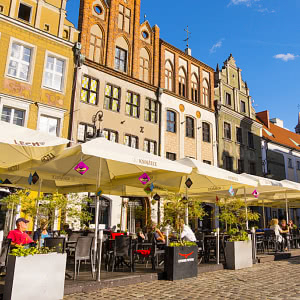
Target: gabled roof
[[280, 135]]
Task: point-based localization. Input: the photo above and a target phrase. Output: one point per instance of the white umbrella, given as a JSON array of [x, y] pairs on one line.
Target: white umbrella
[[20, 145]]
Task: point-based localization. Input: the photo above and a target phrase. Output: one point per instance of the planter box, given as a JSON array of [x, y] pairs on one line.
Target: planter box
[[238, 255], [35, 277], [181, 262]]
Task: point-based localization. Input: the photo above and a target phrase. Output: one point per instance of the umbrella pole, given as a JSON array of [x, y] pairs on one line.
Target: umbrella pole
[[35, 225], [264, 217], [187, 207], [286, 208], [246, 209]]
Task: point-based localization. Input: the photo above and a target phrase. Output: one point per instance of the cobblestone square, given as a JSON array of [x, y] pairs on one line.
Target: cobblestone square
[[267, 281]]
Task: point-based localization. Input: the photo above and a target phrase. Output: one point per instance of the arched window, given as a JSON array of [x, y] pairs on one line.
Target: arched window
[[121, 55], [169, 76], [205, 93], [190, 127], [144, 65], [194, 89], [206, 132], [96, 44], [182, 82]]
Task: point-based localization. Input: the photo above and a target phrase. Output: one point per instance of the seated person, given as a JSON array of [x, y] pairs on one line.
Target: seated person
[[291, 225], [41, 233], [139, 231], [187, 234], [285, 230], [19, 235], [157, 234]]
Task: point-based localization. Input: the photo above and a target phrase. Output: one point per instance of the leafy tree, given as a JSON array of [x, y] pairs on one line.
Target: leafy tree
[[233, 213]]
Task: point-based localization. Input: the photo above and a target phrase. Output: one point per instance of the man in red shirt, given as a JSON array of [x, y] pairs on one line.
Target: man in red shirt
[[19, 236]]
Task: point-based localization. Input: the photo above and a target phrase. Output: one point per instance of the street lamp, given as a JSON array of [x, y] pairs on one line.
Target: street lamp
[[156, 197], [188, 184]]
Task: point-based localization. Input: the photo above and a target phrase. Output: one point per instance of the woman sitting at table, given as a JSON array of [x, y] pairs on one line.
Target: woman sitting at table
[[41, 233], [157, 234], [274, 226], [285, 232]]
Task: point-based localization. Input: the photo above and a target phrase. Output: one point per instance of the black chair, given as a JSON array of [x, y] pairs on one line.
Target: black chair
[[4, 254], [200, 243], [83, 252], [157, 250], [270, 240], [294, 238], [260, 245], [73, 237], [122, 251], [57, 243]]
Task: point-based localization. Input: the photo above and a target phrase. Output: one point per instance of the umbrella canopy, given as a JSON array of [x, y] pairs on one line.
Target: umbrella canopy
[[118, 164], [19, 145]]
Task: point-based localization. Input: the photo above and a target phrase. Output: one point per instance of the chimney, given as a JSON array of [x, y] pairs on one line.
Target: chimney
[[264, 117], [188, 51], [277, 122]]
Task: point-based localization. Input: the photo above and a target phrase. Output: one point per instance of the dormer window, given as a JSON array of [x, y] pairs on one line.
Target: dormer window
[[24, 12]]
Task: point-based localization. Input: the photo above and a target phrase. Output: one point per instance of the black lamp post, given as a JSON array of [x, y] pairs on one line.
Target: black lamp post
[[156, 197], [188, 184]]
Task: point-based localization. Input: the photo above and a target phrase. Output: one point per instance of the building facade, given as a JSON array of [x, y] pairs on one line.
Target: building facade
[[138, 90], [36, 64], [238, 132]]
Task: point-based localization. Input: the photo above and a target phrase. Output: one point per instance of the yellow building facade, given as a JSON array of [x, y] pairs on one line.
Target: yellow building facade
[[36, 64]]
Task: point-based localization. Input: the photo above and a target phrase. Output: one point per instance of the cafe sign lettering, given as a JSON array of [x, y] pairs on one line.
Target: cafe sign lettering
[[32, 144]]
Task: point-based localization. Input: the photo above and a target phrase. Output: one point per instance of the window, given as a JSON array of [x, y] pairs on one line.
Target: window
[[121, 59], [53, 76], [111, 135], [24, 12], [96, 41], [208, 162], [171, 121], [227, 131], [150, 146], [131, 141], [89, 90], [124, 18], [194, 89], [182, 83], [168, 76], [132, 105], [243, 106], [49, 125], [250, 140], [290, 163], [66, 34], [19, 62], [144, 69], [171, 156], [151, 110], [1, 8], [228, 163], [190, 127], [252, 168], [112, 98], [239, 135], [228, 99], [206, 132], [13, 115], [241, 168], [205, 93], [298, 165], [85, 132]]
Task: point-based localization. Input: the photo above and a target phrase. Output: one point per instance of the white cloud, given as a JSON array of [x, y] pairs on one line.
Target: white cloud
[[286, 57], [217, 45], [246, 2]]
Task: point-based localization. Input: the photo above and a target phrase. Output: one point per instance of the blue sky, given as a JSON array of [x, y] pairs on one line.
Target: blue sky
[[262, 35]]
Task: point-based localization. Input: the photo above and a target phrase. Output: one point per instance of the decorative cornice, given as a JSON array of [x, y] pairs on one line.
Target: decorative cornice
[[188, 57], [36, 30], [239, 116], [117, 74]]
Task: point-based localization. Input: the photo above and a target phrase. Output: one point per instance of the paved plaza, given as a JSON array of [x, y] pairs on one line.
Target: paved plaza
[[269, 281]]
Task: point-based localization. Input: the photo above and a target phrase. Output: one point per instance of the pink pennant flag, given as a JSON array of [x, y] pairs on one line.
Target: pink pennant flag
[[255, 193]]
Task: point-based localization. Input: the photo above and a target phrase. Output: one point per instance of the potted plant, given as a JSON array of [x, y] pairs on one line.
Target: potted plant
[[35, 274], [181, 258], [238, 248]]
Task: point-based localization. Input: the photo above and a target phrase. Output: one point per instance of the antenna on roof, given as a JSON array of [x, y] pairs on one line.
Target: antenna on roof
[[145, 17]]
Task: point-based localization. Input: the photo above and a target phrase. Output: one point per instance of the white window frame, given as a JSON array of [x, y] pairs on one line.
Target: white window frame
[[31, 65], [17, 104], [65, 72], [52, 113], [28, 5]]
